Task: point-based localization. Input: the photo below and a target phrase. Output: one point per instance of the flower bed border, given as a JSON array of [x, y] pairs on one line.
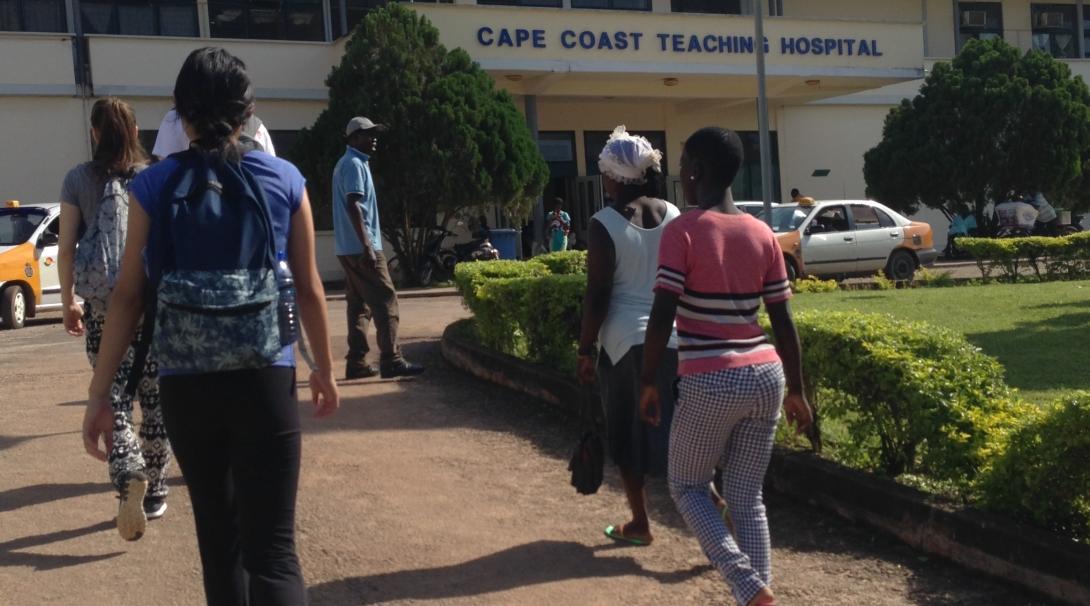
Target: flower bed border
[[992, 544]]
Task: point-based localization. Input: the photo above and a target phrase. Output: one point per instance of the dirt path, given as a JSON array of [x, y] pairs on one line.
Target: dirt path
[[443, 489]]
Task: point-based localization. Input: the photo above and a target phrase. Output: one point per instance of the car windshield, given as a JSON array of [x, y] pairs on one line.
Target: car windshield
[[789, 218], [18, 224]]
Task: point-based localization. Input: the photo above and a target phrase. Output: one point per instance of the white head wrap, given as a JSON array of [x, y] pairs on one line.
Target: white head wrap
[[626, 158]]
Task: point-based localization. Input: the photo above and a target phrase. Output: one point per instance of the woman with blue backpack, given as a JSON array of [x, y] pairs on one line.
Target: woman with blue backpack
[[220, 251], [94, 212]]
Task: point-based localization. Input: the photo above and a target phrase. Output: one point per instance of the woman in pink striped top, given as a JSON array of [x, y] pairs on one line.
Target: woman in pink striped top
[[716, 265]]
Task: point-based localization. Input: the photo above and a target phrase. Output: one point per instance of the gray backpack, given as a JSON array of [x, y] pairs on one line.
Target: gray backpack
[[98, 256]]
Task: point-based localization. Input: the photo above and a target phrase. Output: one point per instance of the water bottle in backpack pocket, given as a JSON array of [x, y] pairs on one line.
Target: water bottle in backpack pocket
[[215, 273]]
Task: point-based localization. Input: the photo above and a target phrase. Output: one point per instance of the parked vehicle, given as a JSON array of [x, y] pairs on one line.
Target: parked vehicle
[[851, 237], [29, 282], [439, 261]]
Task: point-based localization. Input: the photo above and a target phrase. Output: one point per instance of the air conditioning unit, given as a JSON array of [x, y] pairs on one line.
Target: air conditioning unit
[[974, 18], [1051, 19]]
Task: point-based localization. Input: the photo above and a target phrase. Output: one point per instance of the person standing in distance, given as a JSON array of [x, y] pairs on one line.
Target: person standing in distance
[[358, 245]]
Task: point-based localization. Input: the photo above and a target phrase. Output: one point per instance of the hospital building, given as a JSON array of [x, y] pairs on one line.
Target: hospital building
[[576, 68]]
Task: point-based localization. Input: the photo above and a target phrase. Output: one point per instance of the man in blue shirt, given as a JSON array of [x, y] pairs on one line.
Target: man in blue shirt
[[358, 242]]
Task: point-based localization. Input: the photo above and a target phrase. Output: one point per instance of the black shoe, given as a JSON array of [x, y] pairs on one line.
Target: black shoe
[[360, 372], [401, 368], [155, 507]]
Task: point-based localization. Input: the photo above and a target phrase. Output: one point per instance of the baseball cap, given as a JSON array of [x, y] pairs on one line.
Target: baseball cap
[[361, 123]]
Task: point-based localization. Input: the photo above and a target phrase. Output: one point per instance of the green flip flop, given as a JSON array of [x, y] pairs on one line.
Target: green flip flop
[[617, 534]]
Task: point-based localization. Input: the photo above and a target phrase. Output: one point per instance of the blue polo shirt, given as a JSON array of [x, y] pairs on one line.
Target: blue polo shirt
[[353, 176]]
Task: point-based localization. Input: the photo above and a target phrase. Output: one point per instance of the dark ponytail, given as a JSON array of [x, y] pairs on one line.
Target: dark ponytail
[[215, 97], [117, 150]]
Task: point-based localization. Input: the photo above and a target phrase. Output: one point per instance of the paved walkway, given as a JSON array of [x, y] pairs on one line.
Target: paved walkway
[[444, 490]]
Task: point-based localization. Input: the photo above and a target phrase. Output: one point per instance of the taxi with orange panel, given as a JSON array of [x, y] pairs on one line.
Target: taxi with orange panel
[[851, 237], [29, 282]]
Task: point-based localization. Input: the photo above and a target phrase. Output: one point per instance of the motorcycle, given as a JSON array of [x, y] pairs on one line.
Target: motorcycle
[[439, 261]]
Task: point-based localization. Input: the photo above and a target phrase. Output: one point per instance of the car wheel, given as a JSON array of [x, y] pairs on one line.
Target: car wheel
[[792, 271], [901, 265], [13, 307]]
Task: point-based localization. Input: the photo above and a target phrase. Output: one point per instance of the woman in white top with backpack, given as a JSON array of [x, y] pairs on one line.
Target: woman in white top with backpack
[[622, 262], [94, 211]]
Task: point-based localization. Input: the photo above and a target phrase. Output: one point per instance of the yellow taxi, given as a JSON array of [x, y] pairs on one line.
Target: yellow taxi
[[29, 282], [851, 237]]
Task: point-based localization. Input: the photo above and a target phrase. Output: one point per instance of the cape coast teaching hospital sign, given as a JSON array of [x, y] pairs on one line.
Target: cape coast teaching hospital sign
[[669, 42]]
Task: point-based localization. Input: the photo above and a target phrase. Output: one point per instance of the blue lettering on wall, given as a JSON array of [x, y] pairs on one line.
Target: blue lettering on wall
[[484, 36], [567, 39], [539, 38], [662, 40], [864, 50]]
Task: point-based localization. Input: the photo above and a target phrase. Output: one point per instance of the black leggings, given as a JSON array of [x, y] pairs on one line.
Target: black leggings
[[237, 440]]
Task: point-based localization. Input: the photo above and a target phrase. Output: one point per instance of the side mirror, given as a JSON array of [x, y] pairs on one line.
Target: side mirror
[[48, 239], [809, 230]]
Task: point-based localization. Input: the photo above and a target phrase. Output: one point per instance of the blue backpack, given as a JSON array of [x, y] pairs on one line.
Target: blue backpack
[[212, 298]]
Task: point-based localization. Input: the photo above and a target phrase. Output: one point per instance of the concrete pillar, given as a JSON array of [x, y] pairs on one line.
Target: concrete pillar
[[923, 20], [539, 206], [204, 19], [1081, 30], [327, 19]]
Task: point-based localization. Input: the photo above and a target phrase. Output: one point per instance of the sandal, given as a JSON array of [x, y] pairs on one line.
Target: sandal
[[617, 534]]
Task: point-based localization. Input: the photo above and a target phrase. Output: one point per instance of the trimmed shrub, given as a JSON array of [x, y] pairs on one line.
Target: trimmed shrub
[[1050, 258], [914, 398], [811, 284], [552, 313], [1043, 475], [881, 282], [481, 286], [564, 262]]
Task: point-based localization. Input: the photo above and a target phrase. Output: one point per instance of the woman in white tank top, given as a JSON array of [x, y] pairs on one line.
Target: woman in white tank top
[[622, 263]]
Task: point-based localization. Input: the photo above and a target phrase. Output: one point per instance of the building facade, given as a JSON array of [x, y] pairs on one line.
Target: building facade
[[576, 67]]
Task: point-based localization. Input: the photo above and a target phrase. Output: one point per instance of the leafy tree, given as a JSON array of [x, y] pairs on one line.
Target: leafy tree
[[455, 141], [991, 122]]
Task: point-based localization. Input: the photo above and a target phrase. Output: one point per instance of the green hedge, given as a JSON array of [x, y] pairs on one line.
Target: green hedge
[[905, 399], [1044, 475], [564, 262], [1049, 258], [914, 398], [496, 326]]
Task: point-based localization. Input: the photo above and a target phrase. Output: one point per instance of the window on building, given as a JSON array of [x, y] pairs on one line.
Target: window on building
[[1086, 29], [726, 7], [626, 5], [1055, 30], [544, 3], [747, 185], [356, 10], [32, 16], [267, 19], [140, 17], [979, 21]]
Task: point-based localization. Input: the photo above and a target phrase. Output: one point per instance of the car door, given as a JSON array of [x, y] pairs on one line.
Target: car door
[[876, 235], [828, 242], [46, 251]]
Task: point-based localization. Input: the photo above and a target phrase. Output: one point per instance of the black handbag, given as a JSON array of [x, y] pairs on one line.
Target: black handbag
[[588, 460]]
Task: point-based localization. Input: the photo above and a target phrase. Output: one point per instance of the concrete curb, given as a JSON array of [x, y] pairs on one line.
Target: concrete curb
[[991, 544], [427, 293]]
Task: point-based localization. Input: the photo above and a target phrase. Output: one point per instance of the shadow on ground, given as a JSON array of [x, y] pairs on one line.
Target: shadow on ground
[[525, 565], [11, 556], [1051, 342]]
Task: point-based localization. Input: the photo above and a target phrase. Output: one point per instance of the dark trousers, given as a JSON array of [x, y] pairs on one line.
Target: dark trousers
[[237, 440], [370, 293]]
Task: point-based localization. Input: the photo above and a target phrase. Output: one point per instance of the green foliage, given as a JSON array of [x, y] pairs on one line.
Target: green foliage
[[933, 279], [1065, 257], [881, 282], [914, 398], [813, 284], [456, 142], [564, 262], [989, 122], [481, 285], [1043, 476]]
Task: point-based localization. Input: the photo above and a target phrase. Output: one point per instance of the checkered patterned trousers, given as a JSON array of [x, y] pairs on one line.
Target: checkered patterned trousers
[[727, 418]]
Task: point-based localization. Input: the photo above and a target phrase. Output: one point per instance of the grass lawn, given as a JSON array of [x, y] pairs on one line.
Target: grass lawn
[[1040, 332]]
